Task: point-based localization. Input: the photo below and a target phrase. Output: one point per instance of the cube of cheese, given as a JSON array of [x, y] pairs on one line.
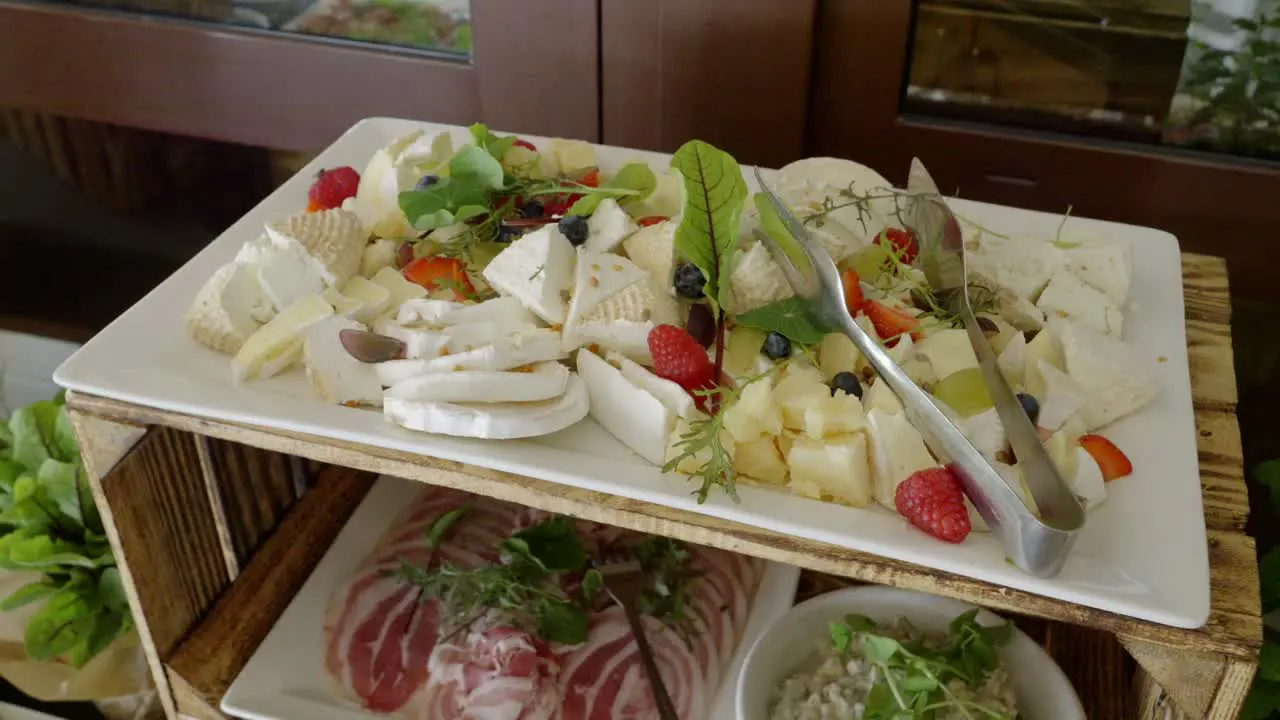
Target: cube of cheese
[[948, 351], [761, 460], [896, 451], [653, 248], [756, 413], [335, 376], [837, 414], [837, 466], [799, 387]]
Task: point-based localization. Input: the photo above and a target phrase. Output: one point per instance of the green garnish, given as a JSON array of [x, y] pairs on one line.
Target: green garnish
[[637, 178], [862, 203], [714, 197], [791, 317], [914, 676], [50, 525], [528, 587]]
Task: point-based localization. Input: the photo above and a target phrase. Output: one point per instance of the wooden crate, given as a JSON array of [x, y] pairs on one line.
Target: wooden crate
[[216, 525]]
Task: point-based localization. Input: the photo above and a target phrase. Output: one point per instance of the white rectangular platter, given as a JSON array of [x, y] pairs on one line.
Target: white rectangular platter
[[280, 683], [1143, 553]]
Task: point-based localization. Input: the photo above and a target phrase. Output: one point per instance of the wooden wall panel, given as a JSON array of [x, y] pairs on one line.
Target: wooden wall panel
[[733, 74], [255, 489]]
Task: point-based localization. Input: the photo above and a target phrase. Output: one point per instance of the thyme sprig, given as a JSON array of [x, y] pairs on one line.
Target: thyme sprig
[[861, 202]]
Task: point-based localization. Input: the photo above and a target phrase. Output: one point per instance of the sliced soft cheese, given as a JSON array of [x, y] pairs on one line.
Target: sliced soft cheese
[[1023, 266], [1062, 398], [756, 279], [653, 248], [1067, 296], [492, 421], [633, 415], [542, 381], [500, 310], [1106, 266], [676, 398], [537, 269], [333, 237], [225, 311], [418, 344], [401, 290], [286, 271], [361, 298], [335, 376], [278, 344], [505, 353], [897, 451], [947, 351], [607, 227], [597, 277], [623, 336], [1112, 378]]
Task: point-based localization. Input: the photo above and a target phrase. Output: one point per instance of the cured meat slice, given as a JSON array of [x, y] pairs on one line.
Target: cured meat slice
[[500, 673]]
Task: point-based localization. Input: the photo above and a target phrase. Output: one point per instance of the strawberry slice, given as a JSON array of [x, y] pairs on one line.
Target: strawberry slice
[[853, 298], [1111, 459], [525, 144], [903, 242], [591, 178], [441, 274], [648, 220], [891, 323]]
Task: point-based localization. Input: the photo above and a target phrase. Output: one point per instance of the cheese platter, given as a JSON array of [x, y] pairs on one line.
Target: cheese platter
[[566, 321]]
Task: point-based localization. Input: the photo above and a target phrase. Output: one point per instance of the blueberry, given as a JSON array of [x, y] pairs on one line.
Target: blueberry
[[776, 346], [574, 227], [1030, 405], [427, 181], [848, 382], [689, 281], [701, 324], [532, 209]]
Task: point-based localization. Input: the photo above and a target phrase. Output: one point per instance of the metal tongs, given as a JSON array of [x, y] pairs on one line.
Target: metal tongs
[[1036, 544]]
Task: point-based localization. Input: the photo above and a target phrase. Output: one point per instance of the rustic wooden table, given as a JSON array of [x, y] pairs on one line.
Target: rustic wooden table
[[216, 525]]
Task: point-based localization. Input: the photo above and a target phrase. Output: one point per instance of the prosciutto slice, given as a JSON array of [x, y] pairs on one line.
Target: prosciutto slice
[[385, 649]]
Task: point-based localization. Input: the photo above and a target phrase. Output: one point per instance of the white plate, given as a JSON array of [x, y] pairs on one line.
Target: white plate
[[1143, 553], [1043, 692], [285, 678]]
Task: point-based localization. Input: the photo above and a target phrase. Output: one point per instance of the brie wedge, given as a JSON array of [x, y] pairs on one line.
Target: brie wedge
[[337, 377], [633, 415], [492, 421], [537, 269], [278, 344], [597, 277], [543, 381]]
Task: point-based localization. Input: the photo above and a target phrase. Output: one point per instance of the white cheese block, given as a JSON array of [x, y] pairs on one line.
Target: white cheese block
[[401, 290], [653, 248], [1106, 266], [572, 156], [1112, 378], [373, 299], [225, 311], [597, 277], [897, 451], [333, 237], [543, 381], [418, 344], [633, 415], [1062, 398], [947, 351], [1068, 297], [985, 431], [278, 344], [607, 226], [439, 313], [756, 279], [623, 336], [505, 353], [378, 254], [878, 396], [335, 376], [1088, 483], [286, 271], [837, 466], [537, 269], [668, 393], [1022, 266], [492, 421], [427, 311]]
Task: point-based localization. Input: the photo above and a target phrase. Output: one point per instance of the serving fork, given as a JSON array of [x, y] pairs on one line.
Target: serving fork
[[625, 581], [1038, 545]]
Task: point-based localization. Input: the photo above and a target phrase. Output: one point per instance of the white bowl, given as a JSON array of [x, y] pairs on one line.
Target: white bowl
[[1043, 692]]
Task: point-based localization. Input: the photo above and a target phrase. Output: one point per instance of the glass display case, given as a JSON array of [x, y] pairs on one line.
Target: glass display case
[[1203, 74]]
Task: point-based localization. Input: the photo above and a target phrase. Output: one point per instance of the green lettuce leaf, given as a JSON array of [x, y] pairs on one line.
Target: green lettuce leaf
[[34, 428], [496, 145], [66, 620], [638, 178], [714, 196], [27, 594], [477, 167], [60, 484]]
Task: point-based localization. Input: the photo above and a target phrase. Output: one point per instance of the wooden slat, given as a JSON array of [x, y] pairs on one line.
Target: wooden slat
[[256, 489], [214, 653]]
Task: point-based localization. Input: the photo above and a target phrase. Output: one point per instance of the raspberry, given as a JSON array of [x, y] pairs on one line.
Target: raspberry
[[933, 501], [680, 358], [332, 187]]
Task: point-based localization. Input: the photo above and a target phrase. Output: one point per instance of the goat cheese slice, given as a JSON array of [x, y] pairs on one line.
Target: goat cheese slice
[[226, 310], [286, 271], [537, 269], [492, 421], [542, 381], [507, 310], [608, 226], [505, 353], [630, 413], [1104, 265], [1113, 380], [1023, 266], [1067, 296], [337, 377], [333, 237]]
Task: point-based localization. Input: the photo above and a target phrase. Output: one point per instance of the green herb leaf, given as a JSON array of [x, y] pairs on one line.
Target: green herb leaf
[[64, 438], [714, 196], [562, 622], [27, 594], [9, 472], [592, 584], [33, 428], [435, 206], [496, 145], [65, 620], [636, 177], [879, 649], [107, 627], [861, 623], [441, 526], [791, 317], [42, 552], [466, 212], [841, 636], [60, 483], [554, 544], [111, 590], [474, 165]]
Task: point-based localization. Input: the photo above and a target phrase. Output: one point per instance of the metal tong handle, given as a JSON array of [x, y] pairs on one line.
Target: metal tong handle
[[998, 504], [666, 708]]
